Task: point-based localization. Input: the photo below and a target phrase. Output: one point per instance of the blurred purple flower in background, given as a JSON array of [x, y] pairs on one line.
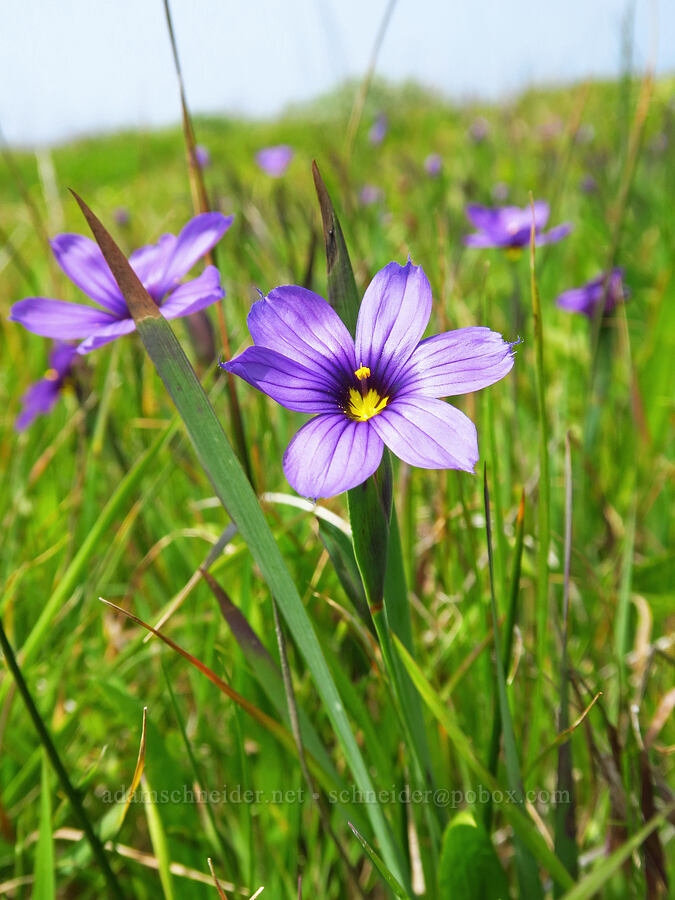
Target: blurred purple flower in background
[[381, 387], [588, 184], [479, 129], [378, 130], [433, 164], [121, 216], [202, 156], [370, 194], [41, 396], [159, 266], [587, 299], [274, 160], [500, 192], [509, 226]]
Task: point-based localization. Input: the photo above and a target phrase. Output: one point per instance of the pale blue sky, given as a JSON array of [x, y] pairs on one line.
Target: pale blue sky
[[81, 66]]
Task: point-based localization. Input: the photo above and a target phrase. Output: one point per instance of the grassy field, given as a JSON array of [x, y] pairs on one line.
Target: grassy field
[[104, 498]]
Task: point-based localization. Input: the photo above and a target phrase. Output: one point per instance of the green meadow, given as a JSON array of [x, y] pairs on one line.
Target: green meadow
[[511, 750]]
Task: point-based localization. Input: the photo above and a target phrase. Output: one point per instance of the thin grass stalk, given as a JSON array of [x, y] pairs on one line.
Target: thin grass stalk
[[201, 204], [51, 751], [565, 823], [526, 866], [544, 509], [362, 94]]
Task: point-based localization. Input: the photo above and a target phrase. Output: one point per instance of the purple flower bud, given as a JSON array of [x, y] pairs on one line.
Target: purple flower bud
[[433, 164]]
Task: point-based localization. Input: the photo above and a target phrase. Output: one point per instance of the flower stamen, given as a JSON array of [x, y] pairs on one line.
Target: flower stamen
[[362, 372], [364, 406]]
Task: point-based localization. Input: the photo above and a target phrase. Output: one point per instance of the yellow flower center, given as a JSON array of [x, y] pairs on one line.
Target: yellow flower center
[[364, 406], [362, 372], [51, 375]]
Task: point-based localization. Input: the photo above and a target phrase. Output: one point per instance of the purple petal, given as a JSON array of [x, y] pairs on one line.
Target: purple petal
[[485, 239], [274, 160], [38, 400], [82, 261], [106, 334], [150, 263], [331, 454], [394, 313], [57, 318], [428, 433], [41, 396], [194, 295], [456, 362], [196, 238], [289, 383], [302, 326], [554, 235]]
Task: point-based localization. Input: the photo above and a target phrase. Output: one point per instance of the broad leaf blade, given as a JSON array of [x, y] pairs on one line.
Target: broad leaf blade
[[469, 867]]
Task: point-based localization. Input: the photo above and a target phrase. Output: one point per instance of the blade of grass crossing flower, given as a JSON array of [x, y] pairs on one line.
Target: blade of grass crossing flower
[[495, 737], [526, 866], [233, 489], [201, 204], [565, 824], [387, 877], [544, 520], [158, 840], [512, 812], [45, 885]]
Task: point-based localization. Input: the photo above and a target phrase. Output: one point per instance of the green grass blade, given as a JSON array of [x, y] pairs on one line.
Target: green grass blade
[[158, 840], [590, 885], [234, 491], [543, 506], [495, 737], [342, 292], [387, 877], [45, 886], [526, 866], [565, 824]]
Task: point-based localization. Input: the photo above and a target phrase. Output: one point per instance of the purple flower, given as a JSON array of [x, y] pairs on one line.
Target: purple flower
[[433, 164], [159, 266], [383, 387], [500, 191], [369, 195], [479, 130], [202, 156], [41, 396], [588, 184], [509, 226], [274, 160], [121, 216], [378, 131], [587, 299]]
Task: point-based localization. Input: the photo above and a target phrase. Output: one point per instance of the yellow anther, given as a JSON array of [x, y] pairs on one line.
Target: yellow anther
[[362, 372], [51, 375], [364, 406]]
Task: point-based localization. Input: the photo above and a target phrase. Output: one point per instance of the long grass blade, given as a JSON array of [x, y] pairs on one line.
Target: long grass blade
[[526, 867]]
